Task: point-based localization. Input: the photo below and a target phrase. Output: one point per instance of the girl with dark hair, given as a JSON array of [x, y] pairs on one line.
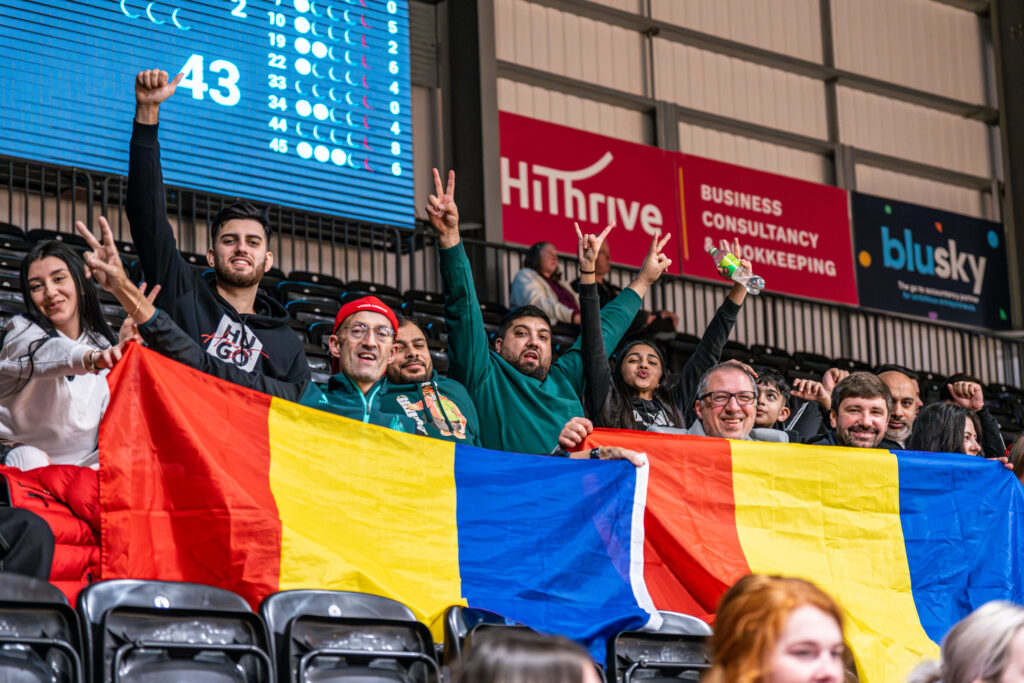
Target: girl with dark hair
[[520, 656], [538, 284], [946, 428], [53, 363]]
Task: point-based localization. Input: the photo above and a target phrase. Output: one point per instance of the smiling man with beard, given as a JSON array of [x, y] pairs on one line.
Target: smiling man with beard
[[441, 407], [906, 401], [226, 314], [524, 399], [861, 404]]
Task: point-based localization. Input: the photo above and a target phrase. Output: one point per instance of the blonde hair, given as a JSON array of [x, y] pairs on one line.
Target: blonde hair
[[750, 619], [976, 648]]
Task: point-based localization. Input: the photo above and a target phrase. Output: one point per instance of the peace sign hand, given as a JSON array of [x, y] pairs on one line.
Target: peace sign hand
[[656, 262], [105, 263], [444, 214], [590, 245]]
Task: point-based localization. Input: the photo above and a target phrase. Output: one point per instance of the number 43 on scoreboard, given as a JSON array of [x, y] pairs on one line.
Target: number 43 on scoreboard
[[226, 92]]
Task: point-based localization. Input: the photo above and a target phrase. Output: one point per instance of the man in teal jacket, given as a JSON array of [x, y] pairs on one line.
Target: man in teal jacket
[[523, 398]]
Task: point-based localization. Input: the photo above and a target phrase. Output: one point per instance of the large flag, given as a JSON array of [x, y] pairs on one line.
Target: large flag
[[205, 481], [908, 543]]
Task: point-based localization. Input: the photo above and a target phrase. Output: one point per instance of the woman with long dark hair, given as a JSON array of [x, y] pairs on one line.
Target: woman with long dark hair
[[53, 363], [946, 428]]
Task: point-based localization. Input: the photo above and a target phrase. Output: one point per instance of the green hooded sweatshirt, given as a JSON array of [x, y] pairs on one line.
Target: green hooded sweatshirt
[[412, 408], [517, 413]]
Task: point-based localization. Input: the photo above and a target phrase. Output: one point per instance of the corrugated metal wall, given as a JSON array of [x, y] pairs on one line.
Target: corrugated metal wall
[[909, 106]]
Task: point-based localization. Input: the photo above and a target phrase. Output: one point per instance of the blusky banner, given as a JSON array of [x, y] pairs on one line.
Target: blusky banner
[[553, 175], [930, 263], [796, 234], [907, 543]]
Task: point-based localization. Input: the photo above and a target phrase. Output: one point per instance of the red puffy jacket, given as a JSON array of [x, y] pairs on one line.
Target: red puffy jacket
[[68, 498]]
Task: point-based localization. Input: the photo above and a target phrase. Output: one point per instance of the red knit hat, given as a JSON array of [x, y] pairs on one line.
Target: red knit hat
[[367, 303]]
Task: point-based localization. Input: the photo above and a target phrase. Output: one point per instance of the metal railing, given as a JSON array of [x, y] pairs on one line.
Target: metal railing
[[46, 196]]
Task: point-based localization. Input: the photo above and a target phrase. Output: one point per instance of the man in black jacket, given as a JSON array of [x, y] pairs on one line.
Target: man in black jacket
[[226, 314]]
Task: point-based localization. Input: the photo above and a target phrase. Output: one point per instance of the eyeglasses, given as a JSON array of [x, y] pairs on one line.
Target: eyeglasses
[[358, 332], [722, 398]]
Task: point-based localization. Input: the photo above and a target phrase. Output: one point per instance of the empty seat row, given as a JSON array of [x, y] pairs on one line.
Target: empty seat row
[[156, 631]]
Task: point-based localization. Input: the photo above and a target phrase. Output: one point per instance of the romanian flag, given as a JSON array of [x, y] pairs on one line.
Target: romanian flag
[[908, 543], [206, 481]]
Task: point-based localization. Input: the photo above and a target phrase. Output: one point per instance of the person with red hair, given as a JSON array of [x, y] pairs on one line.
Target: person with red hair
[[773, 629]]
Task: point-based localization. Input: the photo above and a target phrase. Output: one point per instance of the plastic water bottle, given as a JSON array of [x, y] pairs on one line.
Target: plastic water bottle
[[739, 273]]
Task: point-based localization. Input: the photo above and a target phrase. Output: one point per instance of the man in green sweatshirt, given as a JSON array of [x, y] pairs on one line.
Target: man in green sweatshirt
[[522, 397]]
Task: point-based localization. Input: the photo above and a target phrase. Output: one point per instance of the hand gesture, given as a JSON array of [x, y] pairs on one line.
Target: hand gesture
[[968, 395], [104, 359], [153, 86], [810, 390], [129, 330], [444, 214], [590, 245], [833, 377], [656, 262], [103, 260], [574, 432]]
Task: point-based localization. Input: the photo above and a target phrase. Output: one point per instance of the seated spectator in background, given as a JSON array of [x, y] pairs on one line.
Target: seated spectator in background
[[537, 284], [906, 401], [523, 656], [986, 646], [53, 364], [227, 315], [946, 428], [777, 629], [859, 415], [726, 405], [441, 406], [966, 391], [638, 392], [523, 398]]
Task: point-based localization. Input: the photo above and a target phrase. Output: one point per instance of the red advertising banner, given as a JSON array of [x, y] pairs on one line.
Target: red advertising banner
[[553, 175], [796, 234]]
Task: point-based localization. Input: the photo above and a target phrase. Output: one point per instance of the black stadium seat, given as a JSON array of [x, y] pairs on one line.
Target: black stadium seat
[[310, 312], [460, 621], [11, 230], [675, 651], [493, 312], [734, 350], [813, 362], [852, 365], [358, 289], [72, 239], [39, 636], [423, 303], [10, 287], [13, 245], [163, 631], [293, 290], [321, 635], [316, 278]]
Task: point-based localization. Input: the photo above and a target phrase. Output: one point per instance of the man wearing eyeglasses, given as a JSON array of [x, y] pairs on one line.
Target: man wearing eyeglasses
[[727, 405]]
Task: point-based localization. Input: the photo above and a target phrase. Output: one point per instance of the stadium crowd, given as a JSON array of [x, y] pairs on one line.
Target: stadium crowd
[[511, 394]]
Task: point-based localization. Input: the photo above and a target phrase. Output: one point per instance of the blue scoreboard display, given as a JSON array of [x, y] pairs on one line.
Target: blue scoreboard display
[[303, 103]]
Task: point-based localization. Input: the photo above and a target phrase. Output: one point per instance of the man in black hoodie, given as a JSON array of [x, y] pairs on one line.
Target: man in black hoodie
[[227, 314]]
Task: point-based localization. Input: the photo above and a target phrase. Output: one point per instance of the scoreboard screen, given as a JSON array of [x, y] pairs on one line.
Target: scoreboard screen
[[303, 103]]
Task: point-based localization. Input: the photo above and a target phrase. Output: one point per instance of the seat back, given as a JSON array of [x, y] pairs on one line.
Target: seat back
[[460, 622], [161, 630], [39, 637], [676, 650], [331, 635]]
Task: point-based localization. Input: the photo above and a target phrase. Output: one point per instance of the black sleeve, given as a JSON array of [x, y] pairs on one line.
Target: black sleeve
[[705, 356], [146, 208], [992, 445], [596, 372], [807, 421], [164, 336]]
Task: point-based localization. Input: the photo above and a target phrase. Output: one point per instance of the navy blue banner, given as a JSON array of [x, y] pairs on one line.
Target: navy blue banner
[[930, 263]]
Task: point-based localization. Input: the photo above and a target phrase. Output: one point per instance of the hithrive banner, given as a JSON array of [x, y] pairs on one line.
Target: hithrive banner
[[930, 263], [553, 175], [795, 233]]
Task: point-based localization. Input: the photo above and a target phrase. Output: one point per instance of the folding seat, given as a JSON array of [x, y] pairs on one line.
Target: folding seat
[[301, 330], [773, 357], [812, 362], [10, 262], [163, 631], [15, 245], [9, 308], [675, 652], [321, 635], [39, 637], [734, 350], [357, 289], [310, 312], [197, 261], [11, 230], [422, 302], [319, 332], [493, 312], [316, 279], [10, 287], [275, 273], [852, 365], [294, 290], [460, 622], [72, 239], [319, 362], [439, 355]]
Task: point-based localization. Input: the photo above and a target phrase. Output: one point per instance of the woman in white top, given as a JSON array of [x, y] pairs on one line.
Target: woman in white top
[[538, 284], [53, 364]]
